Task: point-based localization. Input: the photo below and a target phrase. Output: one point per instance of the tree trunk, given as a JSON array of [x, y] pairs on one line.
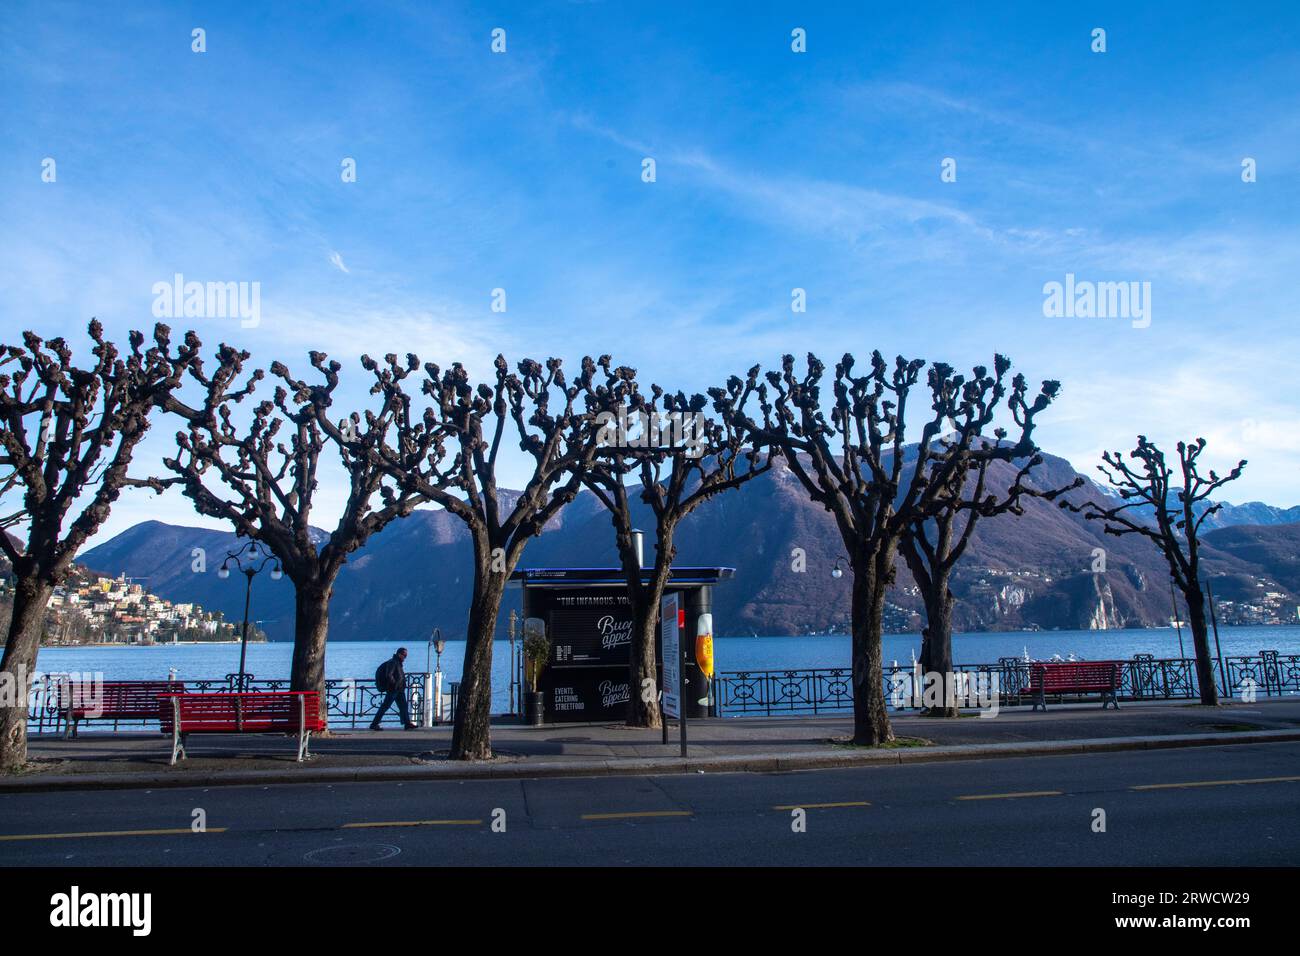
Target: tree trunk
[[471, 737], [311, 624], [870, 718], [938, 652], [643, 667], [31, 598], [642, 664], [1201, 640], [642, 713]]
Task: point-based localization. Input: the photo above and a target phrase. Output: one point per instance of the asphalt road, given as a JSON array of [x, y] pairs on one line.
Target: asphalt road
[[1223, 806]]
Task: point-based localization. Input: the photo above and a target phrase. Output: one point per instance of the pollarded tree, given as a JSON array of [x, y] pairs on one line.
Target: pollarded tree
[[683, 458], [937, 537], [261, 477], [1160, 504], [449, 454], [858, 465], [68, 434]]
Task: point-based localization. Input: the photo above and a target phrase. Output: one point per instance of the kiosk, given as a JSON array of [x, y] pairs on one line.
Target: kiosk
[[587, 618]]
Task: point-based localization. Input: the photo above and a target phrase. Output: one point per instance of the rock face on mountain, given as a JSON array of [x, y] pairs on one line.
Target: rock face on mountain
[[1047, 568], [1251, 513], [1275, 547]]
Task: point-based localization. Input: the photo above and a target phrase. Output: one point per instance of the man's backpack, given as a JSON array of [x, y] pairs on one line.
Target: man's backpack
[[384, 676]]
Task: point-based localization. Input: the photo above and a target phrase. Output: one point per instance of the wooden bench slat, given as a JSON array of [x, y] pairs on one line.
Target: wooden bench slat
[[114, 700], [120, 699]]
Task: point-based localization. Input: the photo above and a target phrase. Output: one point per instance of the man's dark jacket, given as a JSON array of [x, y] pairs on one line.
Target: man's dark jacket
[[395, 674]]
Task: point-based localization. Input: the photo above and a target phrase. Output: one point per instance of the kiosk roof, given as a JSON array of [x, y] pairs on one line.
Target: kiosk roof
[[606, 577]]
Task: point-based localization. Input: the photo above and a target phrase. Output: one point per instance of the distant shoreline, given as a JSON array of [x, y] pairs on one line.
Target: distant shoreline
[[721, 637], [502, 638], [156, 644], [747, 637]]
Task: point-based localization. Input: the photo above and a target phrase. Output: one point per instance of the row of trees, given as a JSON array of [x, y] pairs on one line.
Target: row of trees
[[432, 436]]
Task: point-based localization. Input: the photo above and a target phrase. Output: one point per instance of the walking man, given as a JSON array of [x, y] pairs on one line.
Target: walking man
[[391, 679]]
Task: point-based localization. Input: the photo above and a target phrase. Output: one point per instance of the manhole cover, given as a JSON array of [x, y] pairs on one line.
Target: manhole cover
[[352, 854]]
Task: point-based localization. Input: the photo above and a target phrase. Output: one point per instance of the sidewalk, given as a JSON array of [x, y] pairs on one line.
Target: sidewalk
[[106, 760]]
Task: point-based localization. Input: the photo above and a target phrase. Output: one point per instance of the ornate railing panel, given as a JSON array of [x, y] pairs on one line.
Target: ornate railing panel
[[786, 692]]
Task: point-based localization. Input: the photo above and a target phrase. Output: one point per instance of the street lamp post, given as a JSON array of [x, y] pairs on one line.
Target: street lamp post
[[433, 681], [249, 560], [514, 667], [435, 637]]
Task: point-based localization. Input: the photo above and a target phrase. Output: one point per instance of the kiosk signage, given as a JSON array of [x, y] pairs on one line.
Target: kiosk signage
[[672, 644]]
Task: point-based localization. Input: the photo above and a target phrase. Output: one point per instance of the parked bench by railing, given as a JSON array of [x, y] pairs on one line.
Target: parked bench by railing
[[119, 700], [1074, 677], [286, 712]]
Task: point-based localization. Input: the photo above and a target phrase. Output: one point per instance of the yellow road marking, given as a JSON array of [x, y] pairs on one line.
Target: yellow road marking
[[108, 833], [822, 806], [637, 813], [413, 823], [1213, 783], [1012, 796]]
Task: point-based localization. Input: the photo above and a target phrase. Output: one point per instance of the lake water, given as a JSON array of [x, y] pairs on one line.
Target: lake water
[[358, 659]]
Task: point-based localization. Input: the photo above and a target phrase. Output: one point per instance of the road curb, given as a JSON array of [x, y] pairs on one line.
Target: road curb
[[780, 762]]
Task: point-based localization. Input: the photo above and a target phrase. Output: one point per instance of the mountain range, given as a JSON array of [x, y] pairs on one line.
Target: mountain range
[[1033, 571]]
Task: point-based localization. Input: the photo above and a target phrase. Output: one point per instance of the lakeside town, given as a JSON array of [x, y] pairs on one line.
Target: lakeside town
[[93, 609]]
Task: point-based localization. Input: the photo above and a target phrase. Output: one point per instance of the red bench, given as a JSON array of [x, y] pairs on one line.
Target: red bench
[[1074, 677], [119, 700], [265, 712]]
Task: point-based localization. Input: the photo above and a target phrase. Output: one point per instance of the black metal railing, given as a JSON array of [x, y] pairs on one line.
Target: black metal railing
[[794, 691], [785, 692], [830, 690], [351, 703]]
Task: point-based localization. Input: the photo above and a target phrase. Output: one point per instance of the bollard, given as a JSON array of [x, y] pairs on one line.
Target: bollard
[[428, 700]]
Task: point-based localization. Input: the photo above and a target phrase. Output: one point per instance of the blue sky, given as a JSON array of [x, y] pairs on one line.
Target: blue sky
[[775, 170]]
